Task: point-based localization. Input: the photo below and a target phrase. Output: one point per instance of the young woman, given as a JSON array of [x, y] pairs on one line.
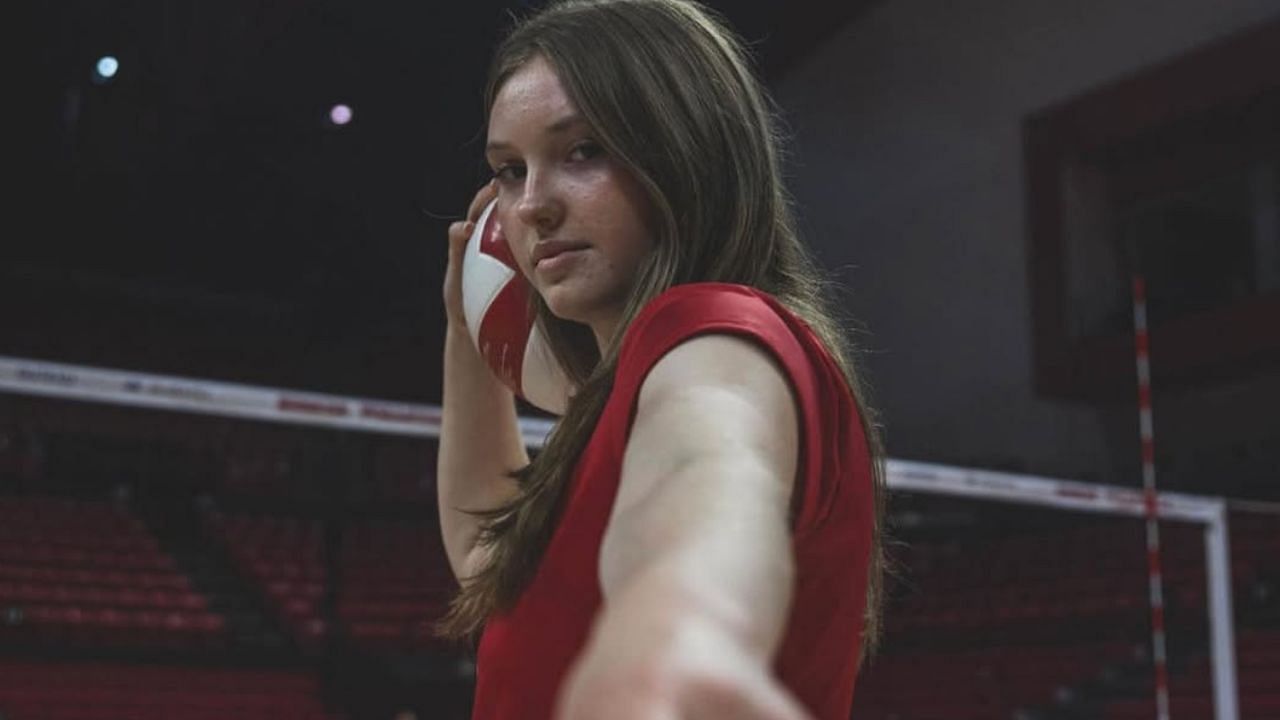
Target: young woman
[[700, 536]]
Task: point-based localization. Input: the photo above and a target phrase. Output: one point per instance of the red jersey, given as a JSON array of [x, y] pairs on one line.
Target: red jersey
[[525, 653]]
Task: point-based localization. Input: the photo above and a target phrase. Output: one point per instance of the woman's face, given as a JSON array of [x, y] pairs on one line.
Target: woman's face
[[578, 223]]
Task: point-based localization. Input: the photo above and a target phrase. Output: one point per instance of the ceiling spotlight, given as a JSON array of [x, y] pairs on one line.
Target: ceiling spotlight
[[105, 69], [340, 114]]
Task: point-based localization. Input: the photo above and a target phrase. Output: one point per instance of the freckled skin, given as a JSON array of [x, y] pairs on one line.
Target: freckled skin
[[556, 183]]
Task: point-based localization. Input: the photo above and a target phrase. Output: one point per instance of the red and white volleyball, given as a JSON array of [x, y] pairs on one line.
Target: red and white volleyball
[[495, 301]]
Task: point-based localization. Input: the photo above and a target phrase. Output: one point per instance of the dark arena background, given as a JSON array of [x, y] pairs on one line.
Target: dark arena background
[[221, 334]]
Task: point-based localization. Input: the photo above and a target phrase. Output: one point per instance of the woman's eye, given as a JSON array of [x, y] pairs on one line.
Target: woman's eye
[[509, 172], [586, 151]]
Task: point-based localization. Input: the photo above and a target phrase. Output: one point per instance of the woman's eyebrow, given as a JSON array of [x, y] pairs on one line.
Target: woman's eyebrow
[[559, 127]]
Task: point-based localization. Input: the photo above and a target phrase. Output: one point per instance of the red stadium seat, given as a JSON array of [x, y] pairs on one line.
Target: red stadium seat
[[77, 570]]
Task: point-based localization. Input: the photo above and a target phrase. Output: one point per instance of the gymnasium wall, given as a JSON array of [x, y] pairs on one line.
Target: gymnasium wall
[[908, 168]]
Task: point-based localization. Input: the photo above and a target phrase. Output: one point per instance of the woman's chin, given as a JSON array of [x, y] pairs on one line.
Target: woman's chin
[[567, 312], [590, 315], [564, 303]]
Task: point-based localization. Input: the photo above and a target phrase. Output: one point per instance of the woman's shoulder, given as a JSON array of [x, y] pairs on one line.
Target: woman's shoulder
[[684, 311], [705, 290], [704, 302]]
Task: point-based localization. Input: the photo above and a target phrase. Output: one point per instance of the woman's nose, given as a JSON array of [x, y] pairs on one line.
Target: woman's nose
[[540, 205]]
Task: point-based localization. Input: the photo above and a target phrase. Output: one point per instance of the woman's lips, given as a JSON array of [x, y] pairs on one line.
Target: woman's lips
[[552, 249], [559, 260]]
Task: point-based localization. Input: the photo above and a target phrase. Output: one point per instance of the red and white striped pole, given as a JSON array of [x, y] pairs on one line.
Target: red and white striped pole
[[1142, 348]]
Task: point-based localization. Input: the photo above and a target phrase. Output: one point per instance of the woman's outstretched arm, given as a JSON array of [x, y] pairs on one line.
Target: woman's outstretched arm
[[696, 564]]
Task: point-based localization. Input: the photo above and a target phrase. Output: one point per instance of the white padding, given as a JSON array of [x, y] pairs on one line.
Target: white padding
[[483, 277]]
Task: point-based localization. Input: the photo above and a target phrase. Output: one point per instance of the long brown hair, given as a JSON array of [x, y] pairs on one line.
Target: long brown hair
[[668, 91]]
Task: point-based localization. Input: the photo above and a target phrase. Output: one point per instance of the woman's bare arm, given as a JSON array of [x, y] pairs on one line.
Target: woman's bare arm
[[479, 444], [696, 564], [480, 439]]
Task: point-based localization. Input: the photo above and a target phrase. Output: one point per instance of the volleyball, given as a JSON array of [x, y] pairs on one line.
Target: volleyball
[[495, 302]]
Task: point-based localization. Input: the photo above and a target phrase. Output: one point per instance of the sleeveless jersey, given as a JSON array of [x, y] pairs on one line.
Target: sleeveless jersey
[[524, 654]]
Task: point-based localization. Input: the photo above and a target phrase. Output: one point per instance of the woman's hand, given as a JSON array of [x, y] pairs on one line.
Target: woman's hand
[[459, 232], [692, 672]]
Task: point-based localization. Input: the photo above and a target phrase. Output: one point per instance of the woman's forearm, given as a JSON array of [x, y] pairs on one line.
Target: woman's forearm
[[480, 444], [671, 559], [692, 632]]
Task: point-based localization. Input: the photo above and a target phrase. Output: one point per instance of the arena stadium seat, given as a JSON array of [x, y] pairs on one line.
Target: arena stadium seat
[[403, 469], [996, 625], [1191, 688], [396, 584], [981, 683], [89, 573], [282, 557], [103, 691]]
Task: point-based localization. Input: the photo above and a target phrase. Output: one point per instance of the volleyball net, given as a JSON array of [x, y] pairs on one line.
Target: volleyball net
[[206, 397]]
